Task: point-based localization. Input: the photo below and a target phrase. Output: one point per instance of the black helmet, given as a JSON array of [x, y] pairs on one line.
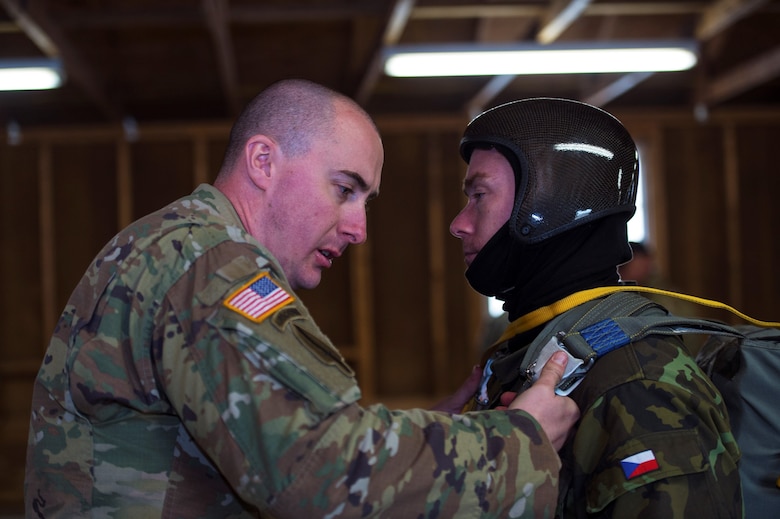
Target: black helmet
[[573, 163]]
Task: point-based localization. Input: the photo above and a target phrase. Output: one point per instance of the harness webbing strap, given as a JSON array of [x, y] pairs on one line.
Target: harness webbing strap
[[546, 313]]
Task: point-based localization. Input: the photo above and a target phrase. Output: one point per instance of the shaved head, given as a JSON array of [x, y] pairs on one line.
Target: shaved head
[[293, 112]]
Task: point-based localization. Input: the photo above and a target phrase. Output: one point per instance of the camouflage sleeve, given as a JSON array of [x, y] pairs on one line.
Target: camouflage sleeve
[[274, 406], [655, 445]]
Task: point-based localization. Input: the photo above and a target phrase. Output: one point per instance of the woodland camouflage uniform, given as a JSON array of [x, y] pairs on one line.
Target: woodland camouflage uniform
[[653, 439], [156, 398], [646, 396]]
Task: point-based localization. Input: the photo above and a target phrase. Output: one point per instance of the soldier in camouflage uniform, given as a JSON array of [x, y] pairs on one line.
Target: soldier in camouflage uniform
[[550, 185], [186, 379]]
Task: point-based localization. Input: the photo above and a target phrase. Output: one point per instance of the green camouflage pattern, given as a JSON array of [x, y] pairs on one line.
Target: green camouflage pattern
[[647, 395], [155, 400]]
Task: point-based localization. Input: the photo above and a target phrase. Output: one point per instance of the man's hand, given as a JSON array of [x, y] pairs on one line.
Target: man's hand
[[455, 402], [556, 414]]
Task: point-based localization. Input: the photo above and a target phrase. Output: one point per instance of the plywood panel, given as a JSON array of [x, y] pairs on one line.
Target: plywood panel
[[400, 260], [693, 167], [162, 172], [84, 212], [758, 219]]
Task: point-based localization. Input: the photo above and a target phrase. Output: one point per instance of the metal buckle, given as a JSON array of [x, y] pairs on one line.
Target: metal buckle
[[573, 373]]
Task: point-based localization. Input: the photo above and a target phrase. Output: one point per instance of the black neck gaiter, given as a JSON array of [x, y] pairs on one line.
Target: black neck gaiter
[[527, 277]]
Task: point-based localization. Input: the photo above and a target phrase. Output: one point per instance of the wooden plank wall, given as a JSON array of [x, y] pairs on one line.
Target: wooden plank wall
[[398, 306]]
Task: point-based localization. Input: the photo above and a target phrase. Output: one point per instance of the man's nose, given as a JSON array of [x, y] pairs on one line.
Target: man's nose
[[354, 226], [459, 226]]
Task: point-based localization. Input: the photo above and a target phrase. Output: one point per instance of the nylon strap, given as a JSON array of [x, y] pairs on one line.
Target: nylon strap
[[546, 313]]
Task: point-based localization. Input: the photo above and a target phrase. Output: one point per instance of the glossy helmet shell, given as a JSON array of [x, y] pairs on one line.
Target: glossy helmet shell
[[573, 163]]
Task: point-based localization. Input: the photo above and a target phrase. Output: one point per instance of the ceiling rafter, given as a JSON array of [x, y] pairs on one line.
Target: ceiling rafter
[[513, 11], [559, 17], [555, 20], [616, 89], [53, 43], [351, 39], [216, 13], [744, 77], [722, 14], [399, 17]]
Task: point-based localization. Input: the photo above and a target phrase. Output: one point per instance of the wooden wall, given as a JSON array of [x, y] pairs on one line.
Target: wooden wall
[[398, 306]]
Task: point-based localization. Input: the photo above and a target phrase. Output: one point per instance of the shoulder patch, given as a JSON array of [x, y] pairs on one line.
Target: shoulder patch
[[258, 298], [639, 464]]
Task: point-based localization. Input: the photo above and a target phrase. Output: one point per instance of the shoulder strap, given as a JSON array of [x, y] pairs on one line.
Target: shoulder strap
[[591, 323], [589, 332], [546, 313], [557, 334]]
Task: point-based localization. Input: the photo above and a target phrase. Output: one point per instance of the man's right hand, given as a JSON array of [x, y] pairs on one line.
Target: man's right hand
[[556, 414]]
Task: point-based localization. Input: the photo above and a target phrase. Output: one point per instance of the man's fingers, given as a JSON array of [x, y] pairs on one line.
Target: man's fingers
[[552, 372], [455, 402], [506, 398]]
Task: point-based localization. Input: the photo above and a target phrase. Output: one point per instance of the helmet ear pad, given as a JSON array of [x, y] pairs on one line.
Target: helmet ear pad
[[573, 163]]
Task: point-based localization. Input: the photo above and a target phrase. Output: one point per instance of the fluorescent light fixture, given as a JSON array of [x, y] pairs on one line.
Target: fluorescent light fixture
[[30, 74], [491, 60]]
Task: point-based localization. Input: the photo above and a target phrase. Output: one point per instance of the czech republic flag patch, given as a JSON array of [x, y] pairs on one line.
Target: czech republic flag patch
[[639, 464]]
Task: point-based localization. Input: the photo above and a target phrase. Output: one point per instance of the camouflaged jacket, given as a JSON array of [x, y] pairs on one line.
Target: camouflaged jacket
[[653, 438], [185, 379]]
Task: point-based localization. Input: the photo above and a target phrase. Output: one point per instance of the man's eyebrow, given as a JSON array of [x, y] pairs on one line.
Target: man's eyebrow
[[361, 182], [468, 182]]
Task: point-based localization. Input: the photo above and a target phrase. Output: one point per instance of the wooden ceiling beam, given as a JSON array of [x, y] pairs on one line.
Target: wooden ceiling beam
[[744, 77], [53, 43], [537, 11], [555, 20], [724, 13], [217, 20], [399, 17], [558, 18], [616, 89]]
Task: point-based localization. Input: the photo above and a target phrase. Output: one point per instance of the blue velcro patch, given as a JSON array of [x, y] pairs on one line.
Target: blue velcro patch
[[605, 336]]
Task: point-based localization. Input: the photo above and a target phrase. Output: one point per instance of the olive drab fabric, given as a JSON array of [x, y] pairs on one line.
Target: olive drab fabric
[[185, 379], [654, 438], [746, 368]]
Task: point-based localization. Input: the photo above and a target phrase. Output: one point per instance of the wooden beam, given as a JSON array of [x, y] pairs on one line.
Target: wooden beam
[[493, 87], [124, 183], [733, 236], [744, 77], [722, 14], [53, 43], [218, 23], [437, 288], [517, 11], [200, 159], [47, 238], [560, 15], [616, 88], [399, 16], [363, 322]]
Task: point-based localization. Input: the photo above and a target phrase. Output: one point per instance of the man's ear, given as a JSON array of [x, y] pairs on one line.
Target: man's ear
[[260, 152]]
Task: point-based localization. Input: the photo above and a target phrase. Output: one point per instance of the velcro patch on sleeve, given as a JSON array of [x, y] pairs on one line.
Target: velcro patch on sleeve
[[258, 298]]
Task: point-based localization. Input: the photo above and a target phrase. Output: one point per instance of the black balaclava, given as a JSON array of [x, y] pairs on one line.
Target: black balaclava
[[576, 172], [527, 277]]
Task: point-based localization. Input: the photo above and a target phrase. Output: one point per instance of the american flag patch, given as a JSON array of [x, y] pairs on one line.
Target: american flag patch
[[639, 464], [258, 298]]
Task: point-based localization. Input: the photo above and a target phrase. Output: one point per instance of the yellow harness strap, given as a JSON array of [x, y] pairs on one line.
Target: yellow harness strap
[[545, 313]]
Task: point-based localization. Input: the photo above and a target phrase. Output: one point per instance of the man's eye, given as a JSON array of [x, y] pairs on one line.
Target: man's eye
[[345, 191]]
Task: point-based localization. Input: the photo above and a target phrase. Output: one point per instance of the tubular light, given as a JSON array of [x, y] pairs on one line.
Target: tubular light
[[481, 60], [41, 74]]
